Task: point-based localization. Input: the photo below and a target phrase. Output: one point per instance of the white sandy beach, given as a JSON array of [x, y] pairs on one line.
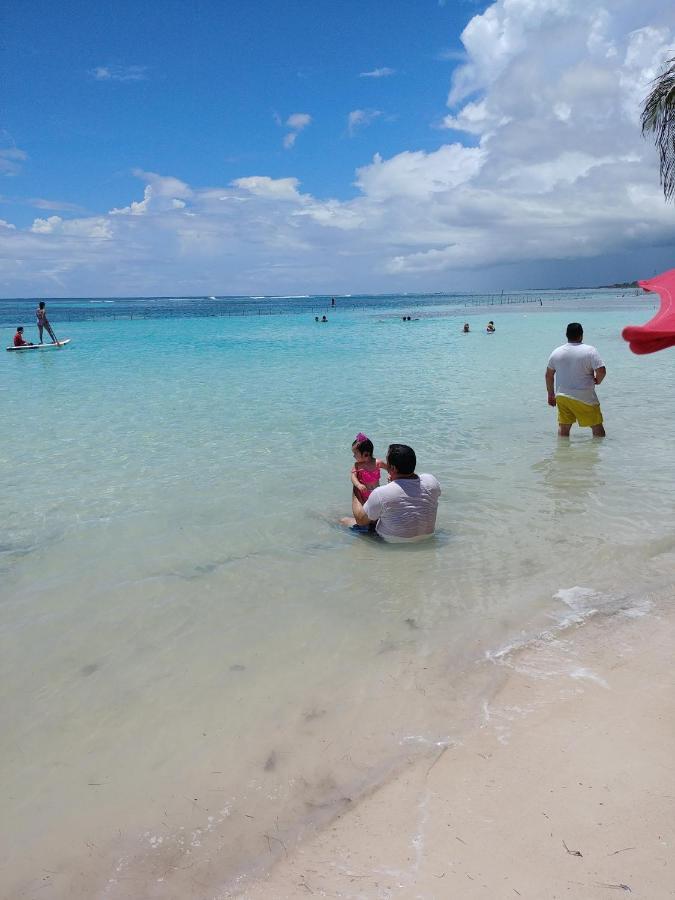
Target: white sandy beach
[[566, 790]]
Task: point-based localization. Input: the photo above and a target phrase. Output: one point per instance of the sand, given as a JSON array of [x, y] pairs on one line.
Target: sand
[[566, 790]]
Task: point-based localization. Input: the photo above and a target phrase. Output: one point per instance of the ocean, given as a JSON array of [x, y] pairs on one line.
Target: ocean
[[198, 665]]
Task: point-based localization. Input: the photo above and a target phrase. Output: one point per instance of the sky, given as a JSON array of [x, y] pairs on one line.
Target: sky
[[263, 148]]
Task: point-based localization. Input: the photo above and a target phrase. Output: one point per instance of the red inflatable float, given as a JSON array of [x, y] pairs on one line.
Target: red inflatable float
[[659, 332]]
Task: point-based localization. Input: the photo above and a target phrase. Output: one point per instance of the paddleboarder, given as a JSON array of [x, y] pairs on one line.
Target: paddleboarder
[[43, 322]]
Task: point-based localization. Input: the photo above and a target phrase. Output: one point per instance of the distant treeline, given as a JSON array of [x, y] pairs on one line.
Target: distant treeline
[[622, 284]]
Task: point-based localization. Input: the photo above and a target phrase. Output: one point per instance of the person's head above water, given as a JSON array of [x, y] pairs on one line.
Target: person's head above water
[[362, 446], [41, 304], [402, 458], [19, 328], [574, 333]]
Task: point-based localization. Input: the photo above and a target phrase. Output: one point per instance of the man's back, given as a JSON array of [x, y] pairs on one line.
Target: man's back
[[405, 509], [574, 365]]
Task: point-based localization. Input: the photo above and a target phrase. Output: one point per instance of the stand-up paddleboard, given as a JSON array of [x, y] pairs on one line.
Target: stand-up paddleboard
[[56, 346]]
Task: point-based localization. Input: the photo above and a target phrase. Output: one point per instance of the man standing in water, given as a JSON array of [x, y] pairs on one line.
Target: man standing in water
[[403, 510], [43, 322], [577, 369]]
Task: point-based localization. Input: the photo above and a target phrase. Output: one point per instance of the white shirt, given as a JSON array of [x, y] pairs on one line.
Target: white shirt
[[574, 366], [405, 509]]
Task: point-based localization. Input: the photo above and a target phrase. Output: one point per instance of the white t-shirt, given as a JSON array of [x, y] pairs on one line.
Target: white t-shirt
[[574, 365], [405, 509]]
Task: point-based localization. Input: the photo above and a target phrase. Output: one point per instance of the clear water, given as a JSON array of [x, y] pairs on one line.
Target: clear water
[[197, 662]]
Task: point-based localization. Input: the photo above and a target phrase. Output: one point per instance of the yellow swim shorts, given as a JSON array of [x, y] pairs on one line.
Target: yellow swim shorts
[[571, 411]]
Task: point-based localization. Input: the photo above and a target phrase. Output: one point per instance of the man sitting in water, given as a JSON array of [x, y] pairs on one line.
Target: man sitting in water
[[403, 510], [18, 338]]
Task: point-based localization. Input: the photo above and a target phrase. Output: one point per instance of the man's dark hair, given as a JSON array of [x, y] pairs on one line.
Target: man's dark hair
[[365, 446], [402, 458], [574, 332], [19, 327]]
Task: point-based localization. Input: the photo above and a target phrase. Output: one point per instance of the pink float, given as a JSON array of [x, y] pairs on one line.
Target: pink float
[[659, 332]]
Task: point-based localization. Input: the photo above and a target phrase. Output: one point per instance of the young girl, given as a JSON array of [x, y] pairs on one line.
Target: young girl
[[366, 471]]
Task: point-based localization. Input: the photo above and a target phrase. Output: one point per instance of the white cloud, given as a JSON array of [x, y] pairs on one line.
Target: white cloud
[[46, 226], [60, 205], [419, 175], [298, 122], [119, 73], [562, 111], [451, 55], [161, 194], [474, 118], [95, 227], [384, 72], [359, 118], [10, 160], [270, 188], [646, 51], [558, 174]]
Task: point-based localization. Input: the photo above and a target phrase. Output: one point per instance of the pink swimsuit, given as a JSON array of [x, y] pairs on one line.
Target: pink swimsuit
[[369, 478]]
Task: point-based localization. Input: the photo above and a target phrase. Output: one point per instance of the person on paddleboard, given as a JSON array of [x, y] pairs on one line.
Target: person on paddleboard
[[19, 339], [43, 322]]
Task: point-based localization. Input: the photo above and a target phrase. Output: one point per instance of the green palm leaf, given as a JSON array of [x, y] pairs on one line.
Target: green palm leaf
[[658, 118]]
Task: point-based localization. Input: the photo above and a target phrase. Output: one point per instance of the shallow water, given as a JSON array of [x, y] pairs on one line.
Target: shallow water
[[196, 660]]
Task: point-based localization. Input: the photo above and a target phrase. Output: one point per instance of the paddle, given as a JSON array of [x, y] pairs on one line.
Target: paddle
[[52, 335]]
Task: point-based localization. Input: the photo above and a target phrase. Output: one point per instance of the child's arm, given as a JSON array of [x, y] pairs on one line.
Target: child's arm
[[381, 464], [355, 481]]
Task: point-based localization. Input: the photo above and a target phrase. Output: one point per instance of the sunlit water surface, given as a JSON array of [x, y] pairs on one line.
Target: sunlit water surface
[[197, 661]]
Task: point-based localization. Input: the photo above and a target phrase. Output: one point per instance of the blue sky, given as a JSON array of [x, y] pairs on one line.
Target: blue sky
[[173, 147], [195, 88]]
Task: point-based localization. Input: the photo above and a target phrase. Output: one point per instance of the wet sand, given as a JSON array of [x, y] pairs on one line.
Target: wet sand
[[567, 789]]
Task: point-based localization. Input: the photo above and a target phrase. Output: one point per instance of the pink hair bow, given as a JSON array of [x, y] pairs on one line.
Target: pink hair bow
[[360, 437]]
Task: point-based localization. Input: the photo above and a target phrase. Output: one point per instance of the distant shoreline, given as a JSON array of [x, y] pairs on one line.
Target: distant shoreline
[[626, 285]]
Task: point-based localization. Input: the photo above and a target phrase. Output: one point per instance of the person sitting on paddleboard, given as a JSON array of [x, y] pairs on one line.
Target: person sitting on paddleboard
[[18, 338], [43, 322]]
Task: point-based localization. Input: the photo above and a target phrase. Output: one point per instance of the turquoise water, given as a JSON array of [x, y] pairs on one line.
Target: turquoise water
[[195, 656]]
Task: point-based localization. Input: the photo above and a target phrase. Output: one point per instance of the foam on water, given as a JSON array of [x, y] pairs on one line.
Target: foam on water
[[193, 650]]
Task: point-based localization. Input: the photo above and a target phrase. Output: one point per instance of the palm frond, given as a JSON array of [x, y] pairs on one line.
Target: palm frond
[[658, 117]]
